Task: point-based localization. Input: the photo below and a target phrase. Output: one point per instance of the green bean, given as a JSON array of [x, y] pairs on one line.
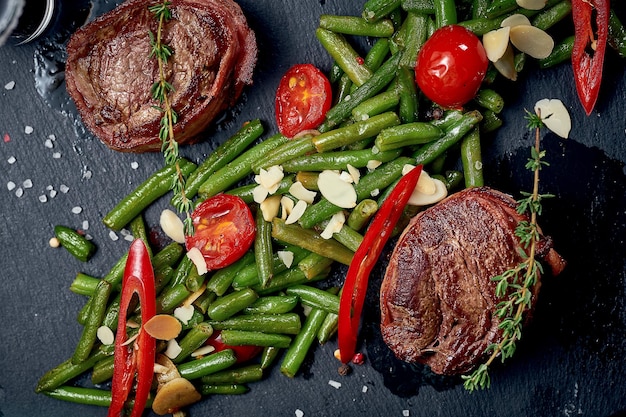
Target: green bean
[[617, 34], [203, 302], [453, 179], [248, 275], [344, 88], [268, 356], [182, 271], [246, 192], [285, 323], [241, 375], [94, 320], [491, 121], [357, 26], [338, 160], [374, 181], [375, 84], [549, 17], [67, 371], [289, 278], [348, 237], [138, 230], [479, 8], [430, 151], [480, 26], [223, 278], [308, 180], [374, 10], [157, 185], [561, 52], [75, 243], [316, 297], [407, 134], [172, 297], [286, 151], [193, 340], [295, 354], [500, 7], [352, 133], [310, 240], [313, 265], [238, 168], [471, 158], [80, 395], [448, 119], [222, 155], [445, 12], [162, 277], [272, 304], [231, 389], [103, 370], [112, 314], [415, 32], [489, 99], [253, 338], [419, 6], [377, 54], [361, 214], [263, 252], [228, 305], [407, 93], [207, 365], [168, 256], [84, 284], [328, 328], [380, 103], [344, 55]]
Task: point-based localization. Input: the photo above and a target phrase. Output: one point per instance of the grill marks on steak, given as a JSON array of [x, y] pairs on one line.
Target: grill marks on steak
[[109, 71], [437, 298]]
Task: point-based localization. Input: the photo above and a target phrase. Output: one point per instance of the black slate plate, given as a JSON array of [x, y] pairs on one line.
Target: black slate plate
[[570, 362]]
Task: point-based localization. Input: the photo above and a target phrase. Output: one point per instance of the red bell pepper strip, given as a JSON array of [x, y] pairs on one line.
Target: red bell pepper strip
[[588, 51], [134, 360], [355, 285]]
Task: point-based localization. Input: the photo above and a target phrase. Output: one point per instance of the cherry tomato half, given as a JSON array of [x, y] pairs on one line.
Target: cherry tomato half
[[450, 66], [224, 229], [303, 97], [243, 353]]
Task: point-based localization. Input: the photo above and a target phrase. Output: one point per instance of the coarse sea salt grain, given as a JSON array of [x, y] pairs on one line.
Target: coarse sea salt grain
[[43, 198], [299, 413], [77, 209], [48, 144], [405, 413], [28, 130], [113, 236], [56, 155], [10, 186], [334, 384], [364, 389], [28, 183], [64, 188], [134, 165], [11, 160], [19, 192], [85, 224], [10, 85]]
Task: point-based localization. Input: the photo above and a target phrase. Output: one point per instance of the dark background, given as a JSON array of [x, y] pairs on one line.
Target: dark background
[[571, 361]]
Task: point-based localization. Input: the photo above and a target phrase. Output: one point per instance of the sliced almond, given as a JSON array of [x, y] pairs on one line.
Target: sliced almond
[[173, 395], [184, 313], [271, 177], [287, 205], [198, 260], [496, 42], [105, 335], [203, 351], [270, 207], [173, 349], [555, 116], [172, 226], [163, 327], [531, 4], [335, 190], [286, 257], [372, 164], [506, 64], [297, 212], [345, 176], [298, 191], [421, 199], [259, 194], [355, 173], [425, 184], [531, 40], [515, 20], [334, 225]]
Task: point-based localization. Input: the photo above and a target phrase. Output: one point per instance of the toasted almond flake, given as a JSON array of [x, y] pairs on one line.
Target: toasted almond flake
[[203, 351], [338, 192], [184, 313], [173, 349], [163, 327], [496, 42], [131, 339], [270, 207], [425, 184], [506, 64], [54, 242], [271, 177], [373, 164], [195, 295], [286, 257], [345, 176], [355, 173], [515, 20], [297, 212], [531, 4], [172, 226], [555, 116], [532, 40], [298, 191], [105, 335], [334, 225], [132, 324], [159, 369], [286, 205], [259, 194], [421, 199], [198, 259]]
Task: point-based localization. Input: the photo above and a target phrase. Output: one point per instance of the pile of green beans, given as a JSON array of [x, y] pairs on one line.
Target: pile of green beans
[[378, 116]]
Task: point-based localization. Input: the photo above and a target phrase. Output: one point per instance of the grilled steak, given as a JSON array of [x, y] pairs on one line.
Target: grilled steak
[[437, 298], [109, 70]]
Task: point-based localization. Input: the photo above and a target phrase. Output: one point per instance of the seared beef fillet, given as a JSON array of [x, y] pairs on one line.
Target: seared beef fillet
[[437, 299], [109, 71]]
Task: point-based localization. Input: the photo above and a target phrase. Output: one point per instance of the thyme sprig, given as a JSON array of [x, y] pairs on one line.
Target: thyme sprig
[[160, 91], [515, 285]]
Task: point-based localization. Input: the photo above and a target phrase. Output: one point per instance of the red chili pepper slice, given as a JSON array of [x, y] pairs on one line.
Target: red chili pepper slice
[[589, 48], [134, 360], [355, 286]]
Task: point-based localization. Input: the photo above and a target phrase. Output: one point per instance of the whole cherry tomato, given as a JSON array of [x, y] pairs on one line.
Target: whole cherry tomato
[[243, 353], [450, 66], [224, 229], [303, 97]]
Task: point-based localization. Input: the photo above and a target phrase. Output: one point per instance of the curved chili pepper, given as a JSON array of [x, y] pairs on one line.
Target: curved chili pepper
[[134, 360], [355, 285], [589, 48]]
